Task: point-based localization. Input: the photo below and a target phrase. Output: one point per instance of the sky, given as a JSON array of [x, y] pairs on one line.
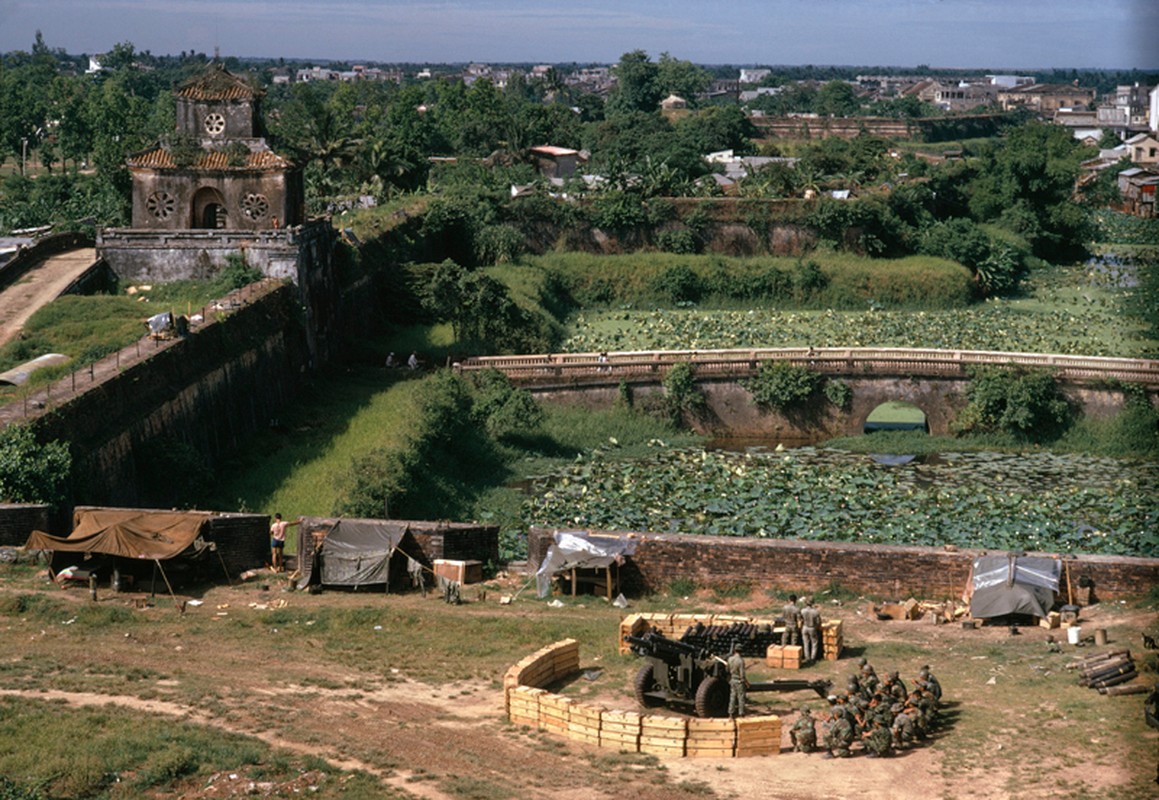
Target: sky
[[991, 34]]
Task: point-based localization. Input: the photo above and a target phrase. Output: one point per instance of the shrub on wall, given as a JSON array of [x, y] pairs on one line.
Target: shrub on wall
[[681, 394], [783, 386], [1026, 404]]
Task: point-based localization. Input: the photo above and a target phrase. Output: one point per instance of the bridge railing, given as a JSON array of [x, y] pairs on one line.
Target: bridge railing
[[654, 364]]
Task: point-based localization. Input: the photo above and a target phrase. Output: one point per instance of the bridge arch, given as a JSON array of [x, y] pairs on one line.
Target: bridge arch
[[897, 415]]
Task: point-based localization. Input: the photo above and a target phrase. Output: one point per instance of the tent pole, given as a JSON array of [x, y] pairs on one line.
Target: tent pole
[[224, 568], [153, 582], [166, 577]]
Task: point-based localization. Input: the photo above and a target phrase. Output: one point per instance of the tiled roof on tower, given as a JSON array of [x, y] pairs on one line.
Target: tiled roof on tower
[[217, 84]]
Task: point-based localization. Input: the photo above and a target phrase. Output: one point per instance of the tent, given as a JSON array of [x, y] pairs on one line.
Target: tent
[[357, 553], [580, 549], [129, 533], [134, 534], [1010, 584]]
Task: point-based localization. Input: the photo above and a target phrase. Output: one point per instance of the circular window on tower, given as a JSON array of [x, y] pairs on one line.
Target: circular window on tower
[[255, 206], [161, 204], [214, 124]]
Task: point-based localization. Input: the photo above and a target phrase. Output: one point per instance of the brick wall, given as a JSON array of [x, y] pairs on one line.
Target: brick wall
[[878, 570], [457, 540], [18, 521]]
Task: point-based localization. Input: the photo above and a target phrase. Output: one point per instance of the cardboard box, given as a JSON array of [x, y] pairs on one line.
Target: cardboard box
[[461, 571]]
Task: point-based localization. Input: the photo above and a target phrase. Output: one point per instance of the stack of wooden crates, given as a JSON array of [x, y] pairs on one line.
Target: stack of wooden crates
[[832, 640]]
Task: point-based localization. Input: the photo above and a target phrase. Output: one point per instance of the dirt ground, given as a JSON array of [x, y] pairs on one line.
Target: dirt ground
[[419, 738]]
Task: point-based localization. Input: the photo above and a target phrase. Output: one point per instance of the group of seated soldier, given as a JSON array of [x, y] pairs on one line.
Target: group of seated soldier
[[883, 715]]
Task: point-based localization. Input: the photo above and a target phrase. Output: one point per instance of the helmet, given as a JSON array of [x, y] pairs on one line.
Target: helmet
[[861, 662], [805, 711]]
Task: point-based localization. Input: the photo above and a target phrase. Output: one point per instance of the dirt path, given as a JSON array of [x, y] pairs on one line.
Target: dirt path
[[40, 286]]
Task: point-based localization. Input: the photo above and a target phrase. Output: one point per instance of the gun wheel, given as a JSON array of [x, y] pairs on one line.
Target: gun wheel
[[645, 684], [712, 698]]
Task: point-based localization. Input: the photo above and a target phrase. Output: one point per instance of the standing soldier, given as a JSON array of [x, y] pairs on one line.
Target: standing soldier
[[792, 622], [811, 630], [804, 732], [736, 683]]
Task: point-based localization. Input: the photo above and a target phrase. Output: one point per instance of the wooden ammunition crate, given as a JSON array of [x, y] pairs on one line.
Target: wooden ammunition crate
[[461, 571]]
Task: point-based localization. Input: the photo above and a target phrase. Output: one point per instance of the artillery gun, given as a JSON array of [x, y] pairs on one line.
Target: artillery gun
[[680, 673]]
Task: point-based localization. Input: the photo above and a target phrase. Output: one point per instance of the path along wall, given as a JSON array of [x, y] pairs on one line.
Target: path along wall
[[530, 703], [133, 432], [879, 570]]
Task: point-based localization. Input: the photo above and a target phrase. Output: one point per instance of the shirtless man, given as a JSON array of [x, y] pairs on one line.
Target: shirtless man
[[278, 540]]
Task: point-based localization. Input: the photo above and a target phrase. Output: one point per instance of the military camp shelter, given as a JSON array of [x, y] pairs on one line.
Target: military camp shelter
[[150, 546], [1011, 584], [381, 554]]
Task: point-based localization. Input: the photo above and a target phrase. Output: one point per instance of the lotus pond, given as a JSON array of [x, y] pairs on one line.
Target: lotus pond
[[1028, 501], [1065, 310]]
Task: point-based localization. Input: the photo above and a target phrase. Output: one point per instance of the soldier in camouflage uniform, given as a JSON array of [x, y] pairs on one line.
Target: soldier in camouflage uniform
[[903, 726], [839, 736], [804, 732], [927, 677], [895, 686], [811, 630], [878, 741], [737, 682]]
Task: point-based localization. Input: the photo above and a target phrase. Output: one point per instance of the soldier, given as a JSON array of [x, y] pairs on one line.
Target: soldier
[[869, 679], [792, 622], [736, 683], [895, 686], [804, 732], [811, 630], [839, 736], [878, 741], [924, 674], [903, 726]]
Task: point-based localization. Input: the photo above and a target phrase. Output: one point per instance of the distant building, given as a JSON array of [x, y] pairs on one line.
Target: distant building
[[556, 162], [673, 102], [1143, 149], [963, 96], [1046, 98], [754, 75]]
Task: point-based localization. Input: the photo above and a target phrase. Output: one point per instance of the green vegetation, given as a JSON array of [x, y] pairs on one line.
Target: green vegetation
[[1030, 500], [32, 472], [1027, 404], [783, 387], [49, 751], [827, 279]]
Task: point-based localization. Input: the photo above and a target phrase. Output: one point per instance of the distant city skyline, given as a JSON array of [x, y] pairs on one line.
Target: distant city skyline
[[991, 34]]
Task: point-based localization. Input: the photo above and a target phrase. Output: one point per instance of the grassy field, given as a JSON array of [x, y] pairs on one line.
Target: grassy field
[[361, 695]]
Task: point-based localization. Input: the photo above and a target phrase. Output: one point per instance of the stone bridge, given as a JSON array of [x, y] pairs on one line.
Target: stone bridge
[[934, 381]]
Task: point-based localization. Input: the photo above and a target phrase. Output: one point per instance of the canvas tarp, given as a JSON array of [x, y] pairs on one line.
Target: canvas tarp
[[580, 549], [354, 553], [1009, 584], [130, 533]]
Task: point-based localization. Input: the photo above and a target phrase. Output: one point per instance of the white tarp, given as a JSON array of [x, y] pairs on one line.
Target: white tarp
[[580, 549]]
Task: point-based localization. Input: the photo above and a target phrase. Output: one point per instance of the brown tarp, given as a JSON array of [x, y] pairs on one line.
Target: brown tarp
[[125, 532]]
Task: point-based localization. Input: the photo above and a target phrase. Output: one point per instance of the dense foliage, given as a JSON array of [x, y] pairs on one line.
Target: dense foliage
[[1027, 404], [1026, 501], [31, 472]]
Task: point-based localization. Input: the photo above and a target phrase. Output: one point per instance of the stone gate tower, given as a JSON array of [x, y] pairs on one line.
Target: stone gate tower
[[216, 172], [214, 191]]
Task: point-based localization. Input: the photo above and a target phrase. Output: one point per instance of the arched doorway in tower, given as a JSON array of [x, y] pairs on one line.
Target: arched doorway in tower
[[896, 415], [209, 209]]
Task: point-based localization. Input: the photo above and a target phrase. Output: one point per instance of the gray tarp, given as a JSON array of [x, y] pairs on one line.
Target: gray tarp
[[355, 553], [1010, 584], [581, 549]]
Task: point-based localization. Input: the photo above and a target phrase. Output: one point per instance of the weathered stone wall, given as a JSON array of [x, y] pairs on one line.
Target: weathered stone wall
[[141, 256], [209, 391], [17, 521], [730, 410], [879, 570]]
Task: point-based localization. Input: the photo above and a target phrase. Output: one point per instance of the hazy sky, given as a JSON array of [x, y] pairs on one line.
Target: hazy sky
[[942, 33]]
